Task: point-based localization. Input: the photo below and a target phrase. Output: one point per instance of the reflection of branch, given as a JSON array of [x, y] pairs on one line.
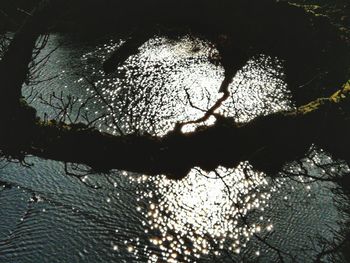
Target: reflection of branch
[[302, 171], [190, 101], [226, 94], [107, 104], [329, 248], [79, 173], [280, 253], [70, 108]]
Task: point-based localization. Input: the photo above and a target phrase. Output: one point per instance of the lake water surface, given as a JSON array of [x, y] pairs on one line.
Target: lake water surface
[[226, 215]]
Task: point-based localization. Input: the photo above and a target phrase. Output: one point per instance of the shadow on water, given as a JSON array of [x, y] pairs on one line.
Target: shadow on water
[[223, 215]]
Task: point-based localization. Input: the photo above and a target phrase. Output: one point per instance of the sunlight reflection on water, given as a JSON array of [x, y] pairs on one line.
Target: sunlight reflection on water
[[174, 81], [206, 212]]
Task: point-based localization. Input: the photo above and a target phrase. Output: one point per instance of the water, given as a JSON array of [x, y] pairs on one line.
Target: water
[[217, 216]]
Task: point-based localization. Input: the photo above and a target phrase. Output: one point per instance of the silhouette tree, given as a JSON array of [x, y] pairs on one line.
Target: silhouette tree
[[313, 41]]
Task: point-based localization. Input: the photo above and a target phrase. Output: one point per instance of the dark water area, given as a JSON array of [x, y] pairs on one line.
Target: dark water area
[[226, 215]]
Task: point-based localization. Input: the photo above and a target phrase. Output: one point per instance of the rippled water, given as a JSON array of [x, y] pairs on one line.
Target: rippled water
[[174, 81], [225, 215]]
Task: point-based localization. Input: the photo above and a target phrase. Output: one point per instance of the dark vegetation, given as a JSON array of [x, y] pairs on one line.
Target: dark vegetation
[[312, 45], [313, 42]]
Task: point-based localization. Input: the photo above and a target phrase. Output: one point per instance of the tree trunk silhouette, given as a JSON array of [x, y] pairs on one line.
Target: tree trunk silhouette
[[267, 142]]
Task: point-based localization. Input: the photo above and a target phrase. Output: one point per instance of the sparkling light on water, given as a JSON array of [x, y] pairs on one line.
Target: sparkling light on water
[[173, 81], [206, 212], [208, 216]]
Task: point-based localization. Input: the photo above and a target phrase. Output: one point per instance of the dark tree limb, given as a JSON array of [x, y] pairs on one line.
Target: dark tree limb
[[14, 65], [128, 48], [267, 142]]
